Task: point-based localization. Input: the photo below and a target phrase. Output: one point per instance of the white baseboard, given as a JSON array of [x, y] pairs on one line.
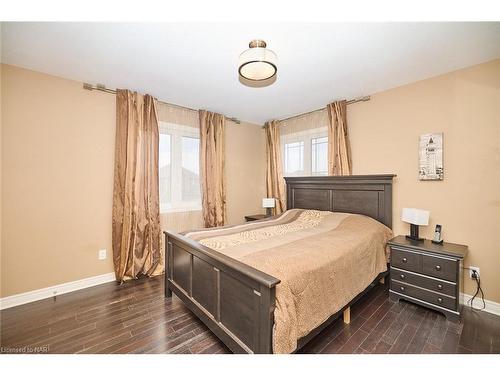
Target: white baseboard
[[56, 290], [491, 306]]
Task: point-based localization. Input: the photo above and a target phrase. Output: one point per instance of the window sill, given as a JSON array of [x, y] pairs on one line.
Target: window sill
[[180, 209]]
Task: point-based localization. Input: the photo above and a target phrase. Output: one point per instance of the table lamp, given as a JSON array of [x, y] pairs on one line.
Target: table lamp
[[415, 217], [268, 204]]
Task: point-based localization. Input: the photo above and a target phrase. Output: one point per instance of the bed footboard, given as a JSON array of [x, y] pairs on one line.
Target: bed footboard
[[234, 300]]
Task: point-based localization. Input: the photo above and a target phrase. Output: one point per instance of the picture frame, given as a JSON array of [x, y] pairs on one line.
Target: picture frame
[[431, 157]]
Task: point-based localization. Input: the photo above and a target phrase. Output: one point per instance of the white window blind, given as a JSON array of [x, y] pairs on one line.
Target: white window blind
[[179, 169]]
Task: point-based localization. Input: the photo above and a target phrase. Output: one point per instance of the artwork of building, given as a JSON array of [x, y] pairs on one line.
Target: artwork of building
[[431, 156]]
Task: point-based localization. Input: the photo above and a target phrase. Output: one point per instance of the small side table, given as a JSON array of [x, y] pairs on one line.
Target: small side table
[[428, 274], [255, 217]]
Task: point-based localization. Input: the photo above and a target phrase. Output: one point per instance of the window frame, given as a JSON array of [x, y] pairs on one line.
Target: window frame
[[301, 146], [314, 155], [305, 136], [177, 132]]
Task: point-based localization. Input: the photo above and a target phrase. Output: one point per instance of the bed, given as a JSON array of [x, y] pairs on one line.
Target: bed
[[271, 285]]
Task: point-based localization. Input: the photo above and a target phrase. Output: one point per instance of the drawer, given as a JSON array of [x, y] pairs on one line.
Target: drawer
[[438, 267], [424, 295], [424, 282], [406, 260]]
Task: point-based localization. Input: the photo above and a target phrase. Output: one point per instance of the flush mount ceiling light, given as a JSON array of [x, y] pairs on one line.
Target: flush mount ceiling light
[[257, 63]]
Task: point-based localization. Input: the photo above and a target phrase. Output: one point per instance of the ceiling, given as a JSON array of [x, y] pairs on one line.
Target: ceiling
[[195, 64]]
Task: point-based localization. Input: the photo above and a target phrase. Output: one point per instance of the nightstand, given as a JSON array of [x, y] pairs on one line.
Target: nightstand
[[255, 217], [428, 274]]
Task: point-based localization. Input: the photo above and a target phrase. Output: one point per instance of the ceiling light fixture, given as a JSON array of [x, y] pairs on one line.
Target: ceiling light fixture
[[257, 63]]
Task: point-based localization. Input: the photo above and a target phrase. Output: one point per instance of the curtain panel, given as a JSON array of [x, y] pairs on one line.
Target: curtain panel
[[136, 213], [275, 184], [308, 121], [177, 115], [179, 221], [339, 150], [212, 173]]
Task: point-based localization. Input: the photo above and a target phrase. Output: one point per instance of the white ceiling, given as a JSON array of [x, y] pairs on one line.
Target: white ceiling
[[195, 64]]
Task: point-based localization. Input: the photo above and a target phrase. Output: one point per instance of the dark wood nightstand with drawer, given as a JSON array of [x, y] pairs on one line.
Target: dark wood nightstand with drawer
[[428, 274]]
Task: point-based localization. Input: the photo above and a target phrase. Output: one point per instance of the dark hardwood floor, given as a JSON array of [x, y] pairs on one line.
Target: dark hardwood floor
[[136, 318]]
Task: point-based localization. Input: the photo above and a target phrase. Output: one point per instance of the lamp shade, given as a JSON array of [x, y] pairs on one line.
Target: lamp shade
[[415, 216], [257, 63], [268, 202]]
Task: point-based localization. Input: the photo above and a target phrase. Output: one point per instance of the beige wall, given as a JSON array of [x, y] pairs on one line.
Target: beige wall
[[1, 166], [57, 174], [245, 171], [465, 106], [57, 169], [1, 129]]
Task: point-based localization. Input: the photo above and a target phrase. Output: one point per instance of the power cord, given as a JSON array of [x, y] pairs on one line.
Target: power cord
[[470, 302]]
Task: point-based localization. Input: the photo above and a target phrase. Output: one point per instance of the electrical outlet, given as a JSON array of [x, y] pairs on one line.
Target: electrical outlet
[[475, 269], [102, 254]]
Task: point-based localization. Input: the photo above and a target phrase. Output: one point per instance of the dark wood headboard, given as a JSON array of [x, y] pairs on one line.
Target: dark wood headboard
[[369, 195]]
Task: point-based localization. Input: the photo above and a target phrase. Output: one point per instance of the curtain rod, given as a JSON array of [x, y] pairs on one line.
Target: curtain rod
[[352, 101], [98, 87]]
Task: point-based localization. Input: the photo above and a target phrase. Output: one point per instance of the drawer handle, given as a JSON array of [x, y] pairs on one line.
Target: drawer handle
[[402, 288], [440, 287], [405, 260], [440, 300], [438, 268], [402, 276]]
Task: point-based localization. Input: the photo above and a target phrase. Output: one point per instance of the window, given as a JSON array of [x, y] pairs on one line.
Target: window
[[294, 158], [319, 153], [190, 169], [165, 171], [305, 153], [179, 172]]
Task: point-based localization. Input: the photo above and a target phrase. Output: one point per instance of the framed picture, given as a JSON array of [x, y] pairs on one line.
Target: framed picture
[[431, 157]]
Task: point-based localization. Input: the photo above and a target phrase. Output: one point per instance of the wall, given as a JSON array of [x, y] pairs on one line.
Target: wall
[[245, 171], [57, 172], [57, 179], [1, 174], [57, 169], [465, 106]]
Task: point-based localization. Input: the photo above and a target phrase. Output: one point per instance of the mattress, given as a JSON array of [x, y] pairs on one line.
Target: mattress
[[323, 259]]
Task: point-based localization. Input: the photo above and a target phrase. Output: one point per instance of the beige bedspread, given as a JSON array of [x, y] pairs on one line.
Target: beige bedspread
[[323, 260]]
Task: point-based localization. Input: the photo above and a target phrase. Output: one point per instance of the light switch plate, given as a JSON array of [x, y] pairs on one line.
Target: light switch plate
[[102, 254]]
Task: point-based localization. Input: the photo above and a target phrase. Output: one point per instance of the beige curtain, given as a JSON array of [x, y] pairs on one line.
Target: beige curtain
[[213, 189], [339, 151], [136, 214], [179, 221], [275, 184], [175, 114], [313, 121]]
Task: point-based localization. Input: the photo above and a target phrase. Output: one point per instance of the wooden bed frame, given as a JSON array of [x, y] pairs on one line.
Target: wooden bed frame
[[237, 301]]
